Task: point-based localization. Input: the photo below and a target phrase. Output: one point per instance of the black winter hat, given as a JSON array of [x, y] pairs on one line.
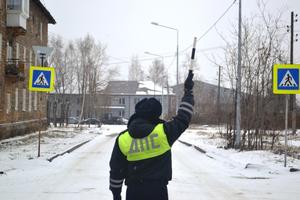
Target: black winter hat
[[148, 108]]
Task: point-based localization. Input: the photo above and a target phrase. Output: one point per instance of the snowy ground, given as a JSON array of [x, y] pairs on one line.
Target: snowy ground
[[83, 173]]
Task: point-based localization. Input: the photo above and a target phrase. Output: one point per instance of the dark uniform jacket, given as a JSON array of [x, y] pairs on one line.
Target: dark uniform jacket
[[153, 169]]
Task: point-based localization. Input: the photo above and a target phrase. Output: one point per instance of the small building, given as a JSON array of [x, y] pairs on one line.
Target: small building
[[62, 106], [118, 99], [213, 104], [23, 24]]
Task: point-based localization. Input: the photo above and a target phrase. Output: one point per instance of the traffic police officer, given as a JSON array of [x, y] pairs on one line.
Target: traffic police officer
[[142, 154]]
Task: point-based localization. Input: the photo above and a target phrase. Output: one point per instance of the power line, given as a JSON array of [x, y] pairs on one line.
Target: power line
[[169, 56], [212, 26], [199, 38]]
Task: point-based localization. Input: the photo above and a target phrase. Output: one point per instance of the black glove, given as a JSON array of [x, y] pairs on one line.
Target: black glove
[[189, 83]]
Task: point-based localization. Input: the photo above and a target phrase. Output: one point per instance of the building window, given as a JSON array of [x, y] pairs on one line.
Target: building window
[[17, 51], [41, 31], [16, 99], [24, 54], [8, 103], [24, 100], [121, 113], [122, 101], [19, 5], [9, 51], [14, 5]]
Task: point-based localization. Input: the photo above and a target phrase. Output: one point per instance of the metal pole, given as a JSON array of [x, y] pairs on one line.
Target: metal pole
[[39, 137], [42, 58], [238, 84], [292, 39], [286, 126], [39, 110], [177, 58], [177, 70], [293, 96], [162, 98], [218, 99]]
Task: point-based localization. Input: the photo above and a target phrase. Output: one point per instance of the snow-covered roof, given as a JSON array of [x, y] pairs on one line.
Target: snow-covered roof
[[136, 88]]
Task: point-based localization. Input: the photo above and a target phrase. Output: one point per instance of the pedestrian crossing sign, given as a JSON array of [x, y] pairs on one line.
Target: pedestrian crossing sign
[[286, 79], [41, 79]]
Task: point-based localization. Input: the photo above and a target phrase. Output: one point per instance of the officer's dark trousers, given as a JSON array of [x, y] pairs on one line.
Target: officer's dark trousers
[[147, 191]]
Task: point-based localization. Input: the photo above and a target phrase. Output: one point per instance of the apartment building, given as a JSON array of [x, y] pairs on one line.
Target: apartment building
[[23, 24]]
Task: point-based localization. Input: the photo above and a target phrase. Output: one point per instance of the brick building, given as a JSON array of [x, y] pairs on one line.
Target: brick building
[[23, 24]]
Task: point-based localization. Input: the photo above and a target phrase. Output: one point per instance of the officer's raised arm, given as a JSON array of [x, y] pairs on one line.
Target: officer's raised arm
[[181, 121]]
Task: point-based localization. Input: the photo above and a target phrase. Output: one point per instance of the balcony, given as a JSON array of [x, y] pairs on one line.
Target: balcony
[[15, 69], [17, 15]]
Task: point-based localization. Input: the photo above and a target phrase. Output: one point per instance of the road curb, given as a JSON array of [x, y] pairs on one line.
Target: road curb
[[196, 147], [68, 151]]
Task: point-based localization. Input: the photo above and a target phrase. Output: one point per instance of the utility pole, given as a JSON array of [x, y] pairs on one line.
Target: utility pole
[[293, 96], [218, 99], [238, 83]]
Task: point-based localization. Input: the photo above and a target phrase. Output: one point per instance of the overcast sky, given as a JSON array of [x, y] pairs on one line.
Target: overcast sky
[[125, 27]]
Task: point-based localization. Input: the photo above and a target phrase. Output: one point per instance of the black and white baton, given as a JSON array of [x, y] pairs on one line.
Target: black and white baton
[[193, 54]]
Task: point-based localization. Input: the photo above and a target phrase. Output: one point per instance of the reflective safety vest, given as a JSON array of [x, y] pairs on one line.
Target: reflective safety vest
[[155, 144]]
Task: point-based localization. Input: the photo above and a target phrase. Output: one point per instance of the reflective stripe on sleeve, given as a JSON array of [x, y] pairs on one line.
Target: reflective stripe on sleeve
[[116, 185], [186, 109], [187, 104], [116, 180]]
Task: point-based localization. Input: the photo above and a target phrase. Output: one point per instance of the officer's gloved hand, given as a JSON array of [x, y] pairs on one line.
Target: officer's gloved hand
[[117, 197], [189, 84]]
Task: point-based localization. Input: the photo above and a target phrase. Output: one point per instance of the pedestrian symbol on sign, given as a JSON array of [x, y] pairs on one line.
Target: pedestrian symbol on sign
[[41, 80], [288, 80]]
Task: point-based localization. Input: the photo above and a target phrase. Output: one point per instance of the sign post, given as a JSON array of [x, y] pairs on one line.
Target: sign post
[[41, 79], [286, 80]]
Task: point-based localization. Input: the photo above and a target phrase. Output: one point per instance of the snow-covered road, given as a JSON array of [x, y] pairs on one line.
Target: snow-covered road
[[194, 175], [84, 174]]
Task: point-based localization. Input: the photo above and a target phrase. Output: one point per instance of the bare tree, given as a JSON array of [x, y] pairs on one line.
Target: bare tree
[[263, 45], [80, 68], [135, 70], [157, 72], [92, 73], [57, 61]]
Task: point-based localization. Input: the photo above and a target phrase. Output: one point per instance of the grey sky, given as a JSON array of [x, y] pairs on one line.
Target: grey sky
[[124, 26]]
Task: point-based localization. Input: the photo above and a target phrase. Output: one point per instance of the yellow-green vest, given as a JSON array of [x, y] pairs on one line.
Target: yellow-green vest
[[155, 144]]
